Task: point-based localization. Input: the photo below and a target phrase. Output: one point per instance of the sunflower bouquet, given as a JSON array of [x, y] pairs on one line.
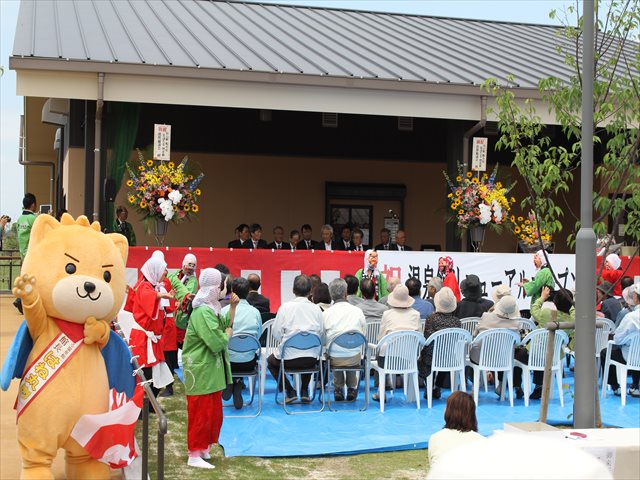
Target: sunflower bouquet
[[478, 199], [529, 233], [163, 190]]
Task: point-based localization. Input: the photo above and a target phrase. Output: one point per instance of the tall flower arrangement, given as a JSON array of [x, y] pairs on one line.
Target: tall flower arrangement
[[163, 190], [529, 232], [478, 199]]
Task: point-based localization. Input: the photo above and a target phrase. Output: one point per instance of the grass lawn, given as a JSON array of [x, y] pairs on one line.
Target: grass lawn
[[408, 464]]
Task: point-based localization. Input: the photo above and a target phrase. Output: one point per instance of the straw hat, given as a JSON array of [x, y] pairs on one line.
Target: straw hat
[[500, 291], [400, 297], [507, 307], [445, 300]]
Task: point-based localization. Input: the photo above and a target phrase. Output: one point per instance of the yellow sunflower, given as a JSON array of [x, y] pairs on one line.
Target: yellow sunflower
[[143, 204], [516, 230], [132, 199], [187, 208], [453, 206], [458, 178], [198, 192], [461, 212], [469, 174], [513, 218], [522, 236], [171, 164], [498, 185], [520, 219], [457, 193], [129, 183], [175, 209], [448, 196], [474, 180], [195, 208], [141, 168], [527, 222], [149, 163], [513, 200]]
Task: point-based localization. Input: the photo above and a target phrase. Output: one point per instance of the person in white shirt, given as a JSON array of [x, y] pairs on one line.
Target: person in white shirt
[[342, 317], [298, 315], [461, 427], [620, 351]]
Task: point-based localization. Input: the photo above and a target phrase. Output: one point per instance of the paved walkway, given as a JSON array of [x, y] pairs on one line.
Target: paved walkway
[[10, 462]]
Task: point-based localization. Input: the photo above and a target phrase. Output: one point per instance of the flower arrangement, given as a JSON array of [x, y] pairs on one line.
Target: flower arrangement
[[162, 190], [478, 200], [529, 232]]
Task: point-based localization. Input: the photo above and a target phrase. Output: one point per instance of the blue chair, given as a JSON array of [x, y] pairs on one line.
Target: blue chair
[[350, 340], [302, 341], [245, 343]]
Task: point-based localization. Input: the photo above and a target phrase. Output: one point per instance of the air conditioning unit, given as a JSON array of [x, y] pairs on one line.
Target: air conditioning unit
[[330, 120], [405, 124]]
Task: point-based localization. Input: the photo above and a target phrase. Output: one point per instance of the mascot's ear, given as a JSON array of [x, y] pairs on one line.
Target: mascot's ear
[[121, 244], [41, 227]]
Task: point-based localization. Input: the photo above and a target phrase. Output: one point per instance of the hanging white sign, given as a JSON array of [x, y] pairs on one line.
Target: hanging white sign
[[162, 142], [479, 154]]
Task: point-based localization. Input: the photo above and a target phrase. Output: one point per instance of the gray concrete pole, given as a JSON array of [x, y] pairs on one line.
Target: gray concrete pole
[[585, 391]]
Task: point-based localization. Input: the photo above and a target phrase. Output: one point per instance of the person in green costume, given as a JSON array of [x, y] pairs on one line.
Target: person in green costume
[[23, 227], [205, 361], [533, 287], [370, 271], [185, 284]]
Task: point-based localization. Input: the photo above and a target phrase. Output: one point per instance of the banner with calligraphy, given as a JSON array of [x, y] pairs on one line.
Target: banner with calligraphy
[[277, 269]]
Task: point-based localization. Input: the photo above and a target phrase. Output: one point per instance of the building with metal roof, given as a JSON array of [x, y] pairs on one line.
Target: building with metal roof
[[262, 75]]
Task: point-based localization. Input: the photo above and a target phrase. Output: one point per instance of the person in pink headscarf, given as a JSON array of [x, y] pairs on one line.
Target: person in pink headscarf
[[448, 276], [612, 273]]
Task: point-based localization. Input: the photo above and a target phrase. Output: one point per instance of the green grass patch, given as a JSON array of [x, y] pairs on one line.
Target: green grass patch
[[406, 464]]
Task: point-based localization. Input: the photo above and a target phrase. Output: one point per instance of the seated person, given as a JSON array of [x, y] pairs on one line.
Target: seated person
[[297, 315], [620, 351], [307, 243], [610, 306], [255, 298], [443, 318], [242, 236], [278, 239], [356, 241], [503, 316], [342, 317], [460, 427], [327, 242], [473, 304], [400, 316], [393, 282], [433, 287], [256, 241], [352, 289], [294, 238], [372, 310], [247, 321], [321, 296], [423, 307]]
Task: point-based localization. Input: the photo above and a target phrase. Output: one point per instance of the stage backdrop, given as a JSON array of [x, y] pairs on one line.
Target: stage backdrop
[[277, 269]]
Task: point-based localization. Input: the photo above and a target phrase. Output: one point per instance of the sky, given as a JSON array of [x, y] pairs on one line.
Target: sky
[[11, 106]]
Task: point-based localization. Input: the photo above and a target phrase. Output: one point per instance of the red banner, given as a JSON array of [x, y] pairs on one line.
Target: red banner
[[277, 269]]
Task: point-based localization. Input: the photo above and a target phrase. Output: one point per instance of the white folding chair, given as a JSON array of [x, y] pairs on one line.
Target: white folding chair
[[400, 351], [622, 369], [244, 343], [449, 354], [302, 341], [271, 345], [527, 325], [496, 355], [537, 342], [350, 340], [371, 332], [602, 337], [470, 323]]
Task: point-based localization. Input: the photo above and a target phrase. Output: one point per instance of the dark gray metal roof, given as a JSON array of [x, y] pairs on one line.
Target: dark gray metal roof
[[312, 41]]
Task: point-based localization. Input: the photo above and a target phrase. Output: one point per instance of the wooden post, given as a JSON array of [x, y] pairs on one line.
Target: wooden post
[[551, 326]]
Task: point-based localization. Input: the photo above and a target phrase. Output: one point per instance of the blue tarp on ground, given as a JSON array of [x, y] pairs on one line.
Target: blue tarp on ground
[[400, 427]]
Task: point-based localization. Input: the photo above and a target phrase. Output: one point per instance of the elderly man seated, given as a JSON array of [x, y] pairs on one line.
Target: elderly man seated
[[342, 317], [297, 315], [372, 310]]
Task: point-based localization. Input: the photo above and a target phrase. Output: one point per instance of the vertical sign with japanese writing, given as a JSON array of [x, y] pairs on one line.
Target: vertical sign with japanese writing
[[161, 142], [479, 154]]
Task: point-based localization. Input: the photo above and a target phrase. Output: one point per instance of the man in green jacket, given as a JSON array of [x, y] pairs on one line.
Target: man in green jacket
[[23, 227]]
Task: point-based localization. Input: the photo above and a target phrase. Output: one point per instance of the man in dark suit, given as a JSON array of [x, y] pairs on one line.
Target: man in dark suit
[[243, 236], [385, 241], [356, 241], [255, 299], [327, 242], [401, 240], [256, 241], [307, 243], [278, 239], [345, 238]]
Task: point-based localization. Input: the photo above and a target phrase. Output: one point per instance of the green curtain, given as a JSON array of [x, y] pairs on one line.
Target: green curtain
[[123, 128]]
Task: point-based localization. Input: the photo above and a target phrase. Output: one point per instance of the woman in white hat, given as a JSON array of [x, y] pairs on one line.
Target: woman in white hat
[[443, 317], [612, 273], [399, 317], [504, 315]]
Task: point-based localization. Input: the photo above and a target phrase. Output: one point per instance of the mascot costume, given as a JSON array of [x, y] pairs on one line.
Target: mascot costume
[[77, 391]]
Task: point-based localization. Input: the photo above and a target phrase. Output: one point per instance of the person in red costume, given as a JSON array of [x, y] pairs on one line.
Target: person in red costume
[[449, 279], [146, 343], [612, 273]]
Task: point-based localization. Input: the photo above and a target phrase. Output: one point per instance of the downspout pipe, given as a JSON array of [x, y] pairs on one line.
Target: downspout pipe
[[96, 150], [22, 148], [466, 161]]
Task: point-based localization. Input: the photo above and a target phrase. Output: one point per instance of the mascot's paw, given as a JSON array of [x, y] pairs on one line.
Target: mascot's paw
[[95, 331], [24, 288]]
